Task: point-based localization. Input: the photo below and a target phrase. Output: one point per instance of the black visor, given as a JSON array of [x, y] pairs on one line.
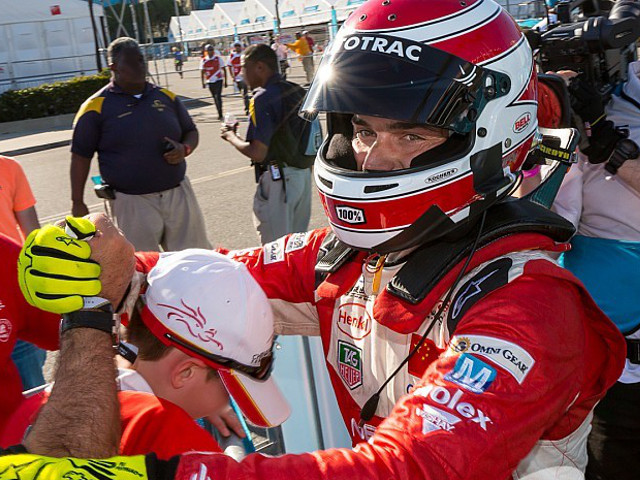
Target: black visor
[[394, 78]]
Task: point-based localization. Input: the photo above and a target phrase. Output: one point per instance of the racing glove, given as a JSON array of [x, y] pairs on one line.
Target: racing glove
[[25, 466], [55, 272]]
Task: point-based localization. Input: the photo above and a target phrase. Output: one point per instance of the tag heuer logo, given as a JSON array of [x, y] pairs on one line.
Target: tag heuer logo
[[350, 364], [350, 214]]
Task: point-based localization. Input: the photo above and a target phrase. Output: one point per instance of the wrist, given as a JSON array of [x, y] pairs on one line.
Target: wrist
[[187, 149], [101, 318]]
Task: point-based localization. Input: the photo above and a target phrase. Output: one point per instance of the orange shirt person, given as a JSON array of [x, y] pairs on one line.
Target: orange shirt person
[[17, 204]]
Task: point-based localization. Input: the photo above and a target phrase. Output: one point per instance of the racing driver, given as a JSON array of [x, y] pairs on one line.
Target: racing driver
[[457, 347]]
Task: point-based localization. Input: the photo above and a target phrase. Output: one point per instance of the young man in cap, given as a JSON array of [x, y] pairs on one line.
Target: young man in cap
[[190, 346], [212, 70]]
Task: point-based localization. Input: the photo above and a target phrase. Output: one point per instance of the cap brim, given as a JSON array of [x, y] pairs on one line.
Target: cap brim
[[261, 402]]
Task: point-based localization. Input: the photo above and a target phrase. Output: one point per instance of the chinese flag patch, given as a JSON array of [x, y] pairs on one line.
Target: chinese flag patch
[[425, 355]]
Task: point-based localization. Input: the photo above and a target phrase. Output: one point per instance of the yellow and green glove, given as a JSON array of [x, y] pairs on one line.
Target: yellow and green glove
[[25, 466], [55, 272]]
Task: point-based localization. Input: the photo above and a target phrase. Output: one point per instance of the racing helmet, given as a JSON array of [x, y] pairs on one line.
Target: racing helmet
[[459, 65]]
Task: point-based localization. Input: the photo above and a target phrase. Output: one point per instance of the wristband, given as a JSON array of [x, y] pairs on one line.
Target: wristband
[[187, 149], [104, 320]]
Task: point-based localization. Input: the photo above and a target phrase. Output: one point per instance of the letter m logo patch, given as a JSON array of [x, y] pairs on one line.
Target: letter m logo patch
[[471, 374], [350, 364]]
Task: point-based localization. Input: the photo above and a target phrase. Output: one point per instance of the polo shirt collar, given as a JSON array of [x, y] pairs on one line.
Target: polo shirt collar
[[275, 78], [115, 88]]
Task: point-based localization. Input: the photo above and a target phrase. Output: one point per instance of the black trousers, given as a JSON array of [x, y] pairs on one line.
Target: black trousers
[[614, 442], [216, 91]]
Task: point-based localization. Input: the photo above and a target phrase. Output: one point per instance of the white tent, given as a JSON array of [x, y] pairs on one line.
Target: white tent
[[257, 16], [300, 13], [204, 25], [180, 28], [45, 40], [226, 16]]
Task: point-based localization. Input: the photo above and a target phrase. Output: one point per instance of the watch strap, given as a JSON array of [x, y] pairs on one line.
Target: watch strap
[[96, 319]]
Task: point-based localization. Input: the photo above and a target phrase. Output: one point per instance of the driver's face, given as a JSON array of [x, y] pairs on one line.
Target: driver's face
[[384, 145]]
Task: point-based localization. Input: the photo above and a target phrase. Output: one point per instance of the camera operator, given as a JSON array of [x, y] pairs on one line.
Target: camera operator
[[601, 196]]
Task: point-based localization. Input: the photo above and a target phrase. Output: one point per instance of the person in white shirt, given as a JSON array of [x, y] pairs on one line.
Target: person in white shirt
[[212, 71], [235, 69]]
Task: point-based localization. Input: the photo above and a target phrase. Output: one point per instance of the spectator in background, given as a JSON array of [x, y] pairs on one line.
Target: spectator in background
[[142, 134], [600, 195], [235, 69], [282, 202], [18, 218], [301, 47], [212, 69], [282, 53], [310, 41], [177, 59]]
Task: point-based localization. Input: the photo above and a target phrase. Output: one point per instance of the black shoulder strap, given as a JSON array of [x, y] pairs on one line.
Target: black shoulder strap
[[430, 263]]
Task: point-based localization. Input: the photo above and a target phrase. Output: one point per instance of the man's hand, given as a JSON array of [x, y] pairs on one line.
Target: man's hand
[[79, 209], [55, 272], [177, 154], [226, 422], [227, 132]]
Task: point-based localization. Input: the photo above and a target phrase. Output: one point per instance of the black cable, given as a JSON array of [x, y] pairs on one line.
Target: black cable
[[371, 405]]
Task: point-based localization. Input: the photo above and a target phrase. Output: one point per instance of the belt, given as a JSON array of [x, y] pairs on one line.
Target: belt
[[633, 350]]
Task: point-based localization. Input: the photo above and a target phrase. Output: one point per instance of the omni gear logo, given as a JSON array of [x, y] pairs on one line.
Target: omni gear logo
[[460, 344]]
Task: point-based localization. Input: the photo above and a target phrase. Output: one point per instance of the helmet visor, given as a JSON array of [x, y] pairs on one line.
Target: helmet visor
[[391, 77]]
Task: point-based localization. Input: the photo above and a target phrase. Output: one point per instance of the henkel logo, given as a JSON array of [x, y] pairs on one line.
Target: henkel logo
[[365, 432], [350, 214], [195, 322], [5, 329], [442, 396], [522, 122], [354, 320]]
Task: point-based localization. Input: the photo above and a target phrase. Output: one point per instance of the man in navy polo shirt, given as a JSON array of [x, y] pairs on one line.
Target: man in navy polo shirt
[[142, 134], [282, 202]]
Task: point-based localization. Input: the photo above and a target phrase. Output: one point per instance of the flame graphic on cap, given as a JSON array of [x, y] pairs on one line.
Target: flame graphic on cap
[[194, 321]]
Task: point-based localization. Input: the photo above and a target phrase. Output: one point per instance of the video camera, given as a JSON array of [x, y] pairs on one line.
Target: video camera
[[588, 40]]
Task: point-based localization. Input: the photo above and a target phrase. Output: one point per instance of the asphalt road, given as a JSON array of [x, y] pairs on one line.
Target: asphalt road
[[221, 177]]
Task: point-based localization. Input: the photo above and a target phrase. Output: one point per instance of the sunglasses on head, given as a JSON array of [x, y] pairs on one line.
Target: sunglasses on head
[[261, 372]]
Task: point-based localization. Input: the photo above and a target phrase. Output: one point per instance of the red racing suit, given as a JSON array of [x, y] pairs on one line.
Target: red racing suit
[[509, 392]]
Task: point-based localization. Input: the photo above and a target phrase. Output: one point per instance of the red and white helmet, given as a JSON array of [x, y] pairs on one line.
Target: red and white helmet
[[461, 65]]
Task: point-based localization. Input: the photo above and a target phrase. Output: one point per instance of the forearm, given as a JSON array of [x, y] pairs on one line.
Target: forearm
[[191, 138], [248, 149], [79, 173], [27, 220], [629, 172], [82, 416]]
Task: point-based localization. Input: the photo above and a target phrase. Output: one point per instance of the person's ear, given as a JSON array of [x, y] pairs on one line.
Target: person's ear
[[112, 67], [185, 372]]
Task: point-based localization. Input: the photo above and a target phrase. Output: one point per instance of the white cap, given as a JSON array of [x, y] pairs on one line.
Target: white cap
[[210, 307]]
